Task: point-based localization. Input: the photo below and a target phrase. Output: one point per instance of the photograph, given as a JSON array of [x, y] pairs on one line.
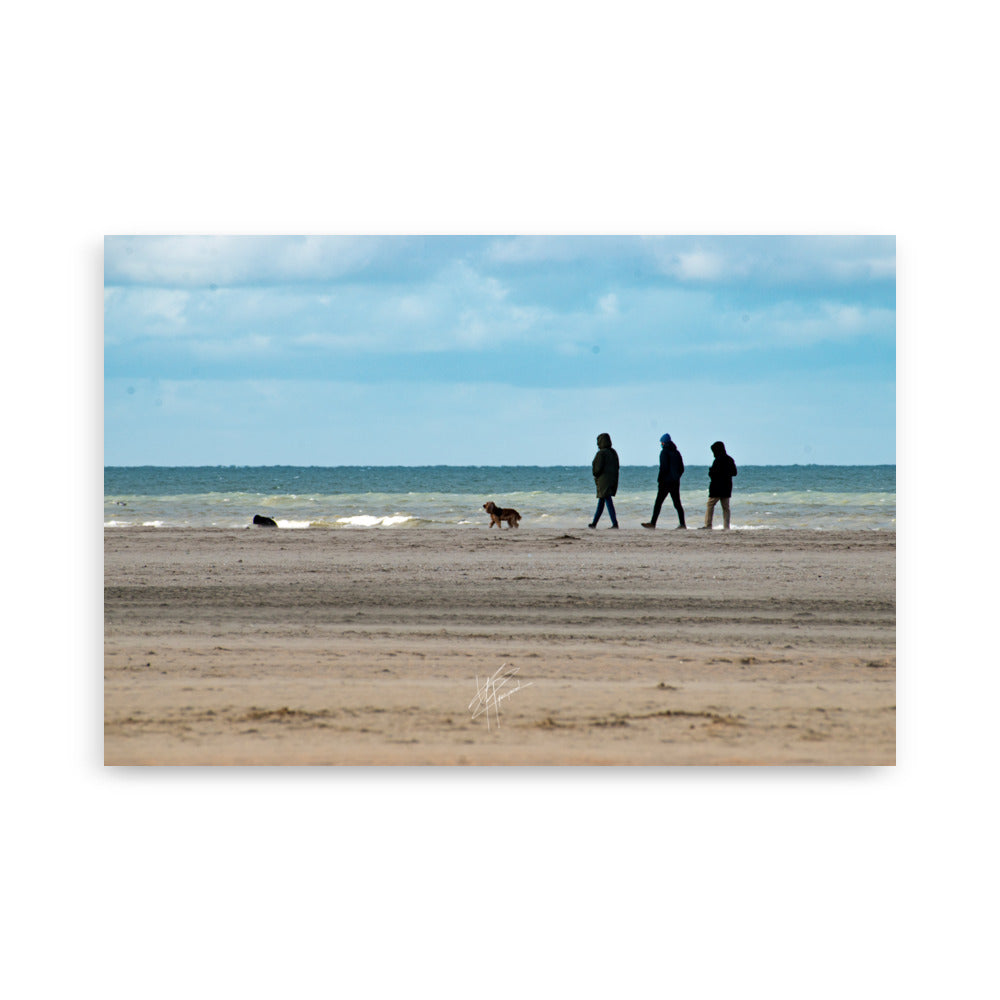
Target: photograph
[[530, 445], [499, 500]]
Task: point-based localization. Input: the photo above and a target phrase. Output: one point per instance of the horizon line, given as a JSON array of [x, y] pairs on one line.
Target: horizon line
[[502, 465]]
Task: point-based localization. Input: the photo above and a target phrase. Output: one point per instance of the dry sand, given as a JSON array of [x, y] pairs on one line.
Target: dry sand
[[264, 646]]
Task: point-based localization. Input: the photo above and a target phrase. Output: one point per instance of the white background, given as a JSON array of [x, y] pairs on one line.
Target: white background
[[871, 118]]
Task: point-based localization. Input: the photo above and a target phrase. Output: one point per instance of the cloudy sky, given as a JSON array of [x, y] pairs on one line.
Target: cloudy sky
[[497, 350]]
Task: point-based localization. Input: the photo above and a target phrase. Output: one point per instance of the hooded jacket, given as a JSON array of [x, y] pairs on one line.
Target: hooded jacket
[[671, 465], [721, 472], [605, 467]]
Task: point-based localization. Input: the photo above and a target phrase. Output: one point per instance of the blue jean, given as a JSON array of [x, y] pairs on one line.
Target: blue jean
[[600, 510]]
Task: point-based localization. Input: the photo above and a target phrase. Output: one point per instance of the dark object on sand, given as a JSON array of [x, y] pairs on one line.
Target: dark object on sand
[[267, 522]]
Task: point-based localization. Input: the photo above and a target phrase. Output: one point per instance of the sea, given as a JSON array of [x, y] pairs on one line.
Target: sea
[[358, 498]]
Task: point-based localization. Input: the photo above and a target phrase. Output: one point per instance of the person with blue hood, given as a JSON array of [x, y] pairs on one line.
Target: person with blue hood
[[605, 468], [720, 484], [668, 482]]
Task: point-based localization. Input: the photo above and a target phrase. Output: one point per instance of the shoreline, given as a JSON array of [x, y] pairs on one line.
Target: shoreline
[[479, 524], [237, 646]]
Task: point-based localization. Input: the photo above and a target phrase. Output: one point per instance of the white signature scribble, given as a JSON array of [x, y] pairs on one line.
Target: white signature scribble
[[490, 693]]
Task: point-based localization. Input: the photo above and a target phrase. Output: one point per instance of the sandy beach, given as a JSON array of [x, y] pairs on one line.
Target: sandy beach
[[263, 646]]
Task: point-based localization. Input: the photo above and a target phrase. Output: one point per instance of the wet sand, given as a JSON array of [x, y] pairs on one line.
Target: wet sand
[[264, 646]]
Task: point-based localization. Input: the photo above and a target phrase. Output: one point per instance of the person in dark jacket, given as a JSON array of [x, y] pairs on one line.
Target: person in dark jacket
[[720, 484], [668, 483], [605, 468]]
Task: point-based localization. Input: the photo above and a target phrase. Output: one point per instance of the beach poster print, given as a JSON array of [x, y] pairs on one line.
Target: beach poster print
[[499, 500]]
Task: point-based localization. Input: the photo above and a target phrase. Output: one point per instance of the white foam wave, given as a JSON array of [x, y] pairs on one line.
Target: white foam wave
[[370, 521]]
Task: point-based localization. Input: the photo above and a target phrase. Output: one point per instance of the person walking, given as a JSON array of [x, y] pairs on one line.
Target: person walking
[[720, 484], [668, 482], [605, 467]]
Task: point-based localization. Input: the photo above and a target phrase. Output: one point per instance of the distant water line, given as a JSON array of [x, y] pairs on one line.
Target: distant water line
[[559, 497]]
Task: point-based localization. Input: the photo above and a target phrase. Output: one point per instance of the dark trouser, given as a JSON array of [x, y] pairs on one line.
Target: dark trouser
[[600, 510], [672, 490]]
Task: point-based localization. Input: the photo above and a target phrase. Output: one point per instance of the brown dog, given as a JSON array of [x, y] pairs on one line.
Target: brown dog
[[499, 514]]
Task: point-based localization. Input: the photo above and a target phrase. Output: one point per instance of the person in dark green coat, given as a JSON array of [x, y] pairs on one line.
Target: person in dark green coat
[[605, 468]]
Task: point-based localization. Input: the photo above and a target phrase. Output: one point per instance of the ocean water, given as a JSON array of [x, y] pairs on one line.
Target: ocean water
[[765, 497]]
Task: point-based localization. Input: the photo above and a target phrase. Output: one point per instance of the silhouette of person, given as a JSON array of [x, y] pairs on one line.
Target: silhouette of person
[[605, 467], [668, 482], [720, 484]]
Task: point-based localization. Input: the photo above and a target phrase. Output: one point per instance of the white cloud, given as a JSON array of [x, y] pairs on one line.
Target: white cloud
[[608, 304], [165, 304], [792, 324], [775, 260], [158, 312], [878, 268], [535, 249], [696, 263], [700, 266], [204, 261]]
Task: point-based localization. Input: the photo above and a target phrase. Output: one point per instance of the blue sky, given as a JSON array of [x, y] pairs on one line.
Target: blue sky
[[486, 350]]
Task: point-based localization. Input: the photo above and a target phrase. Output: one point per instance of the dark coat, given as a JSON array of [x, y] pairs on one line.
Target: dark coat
[[605, 467], [721, 472], [671, 465]]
